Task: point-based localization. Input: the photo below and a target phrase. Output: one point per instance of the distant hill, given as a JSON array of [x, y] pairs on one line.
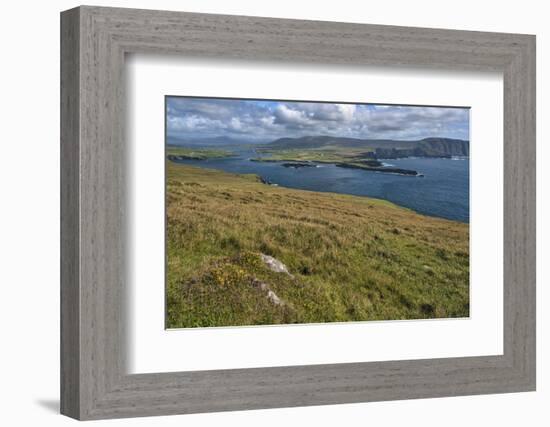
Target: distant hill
[[380, 148], [215, 141], [429, 147]]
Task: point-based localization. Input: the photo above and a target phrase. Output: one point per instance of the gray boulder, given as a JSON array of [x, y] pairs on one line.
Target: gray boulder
[[270, 295], [274, 264]]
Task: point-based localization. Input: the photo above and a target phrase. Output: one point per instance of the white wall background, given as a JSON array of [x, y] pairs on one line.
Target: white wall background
[[29, 213]]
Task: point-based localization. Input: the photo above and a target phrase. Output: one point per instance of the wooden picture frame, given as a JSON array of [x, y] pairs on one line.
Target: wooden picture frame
[[94, 382]]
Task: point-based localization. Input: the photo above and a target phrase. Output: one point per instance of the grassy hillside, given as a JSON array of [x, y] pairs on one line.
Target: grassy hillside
[[349, 258], [196, 153], [321, 141], [427, 147], [323, 155], [340, 156]]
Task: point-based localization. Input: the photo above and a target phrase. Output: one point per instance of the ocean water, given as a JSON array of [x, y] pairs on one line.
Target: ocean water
[[442, 192]]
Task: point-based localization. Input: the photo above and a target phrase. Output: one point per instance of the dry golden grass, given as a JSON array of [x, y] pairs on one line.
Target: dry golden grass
[[352, 258]]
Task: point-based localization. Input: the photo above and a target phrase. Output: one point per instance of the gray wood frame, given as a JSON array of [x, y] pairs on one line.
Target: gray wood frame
[[94, 382]]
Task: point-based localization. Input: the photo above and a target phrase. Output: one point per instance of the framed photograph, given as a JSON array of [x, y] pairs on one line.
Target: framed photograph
[[262, 213], [243, 249]]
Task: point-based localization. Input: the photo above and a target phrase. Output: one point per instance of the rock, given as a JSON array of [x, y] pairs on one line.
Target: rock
[[267, 181], [271, 296], [383, 169], [259, 284], [274, 264], [175, 158], [278, 267], [297, 165]]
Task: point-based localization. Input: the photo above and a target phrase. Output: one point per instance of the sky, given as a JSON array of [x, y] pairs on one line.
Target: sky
[[265, 120]]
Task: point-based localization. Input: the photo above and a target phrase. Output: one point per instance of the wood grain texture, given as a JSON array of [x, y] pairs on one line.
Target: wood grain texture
[[95, 383], [70, 220]]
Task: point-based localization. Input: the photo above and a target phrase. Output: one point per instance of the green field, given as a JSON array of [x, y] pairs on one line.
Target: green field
[[326, 154], [348, 158], [349, 258], [196, 153]]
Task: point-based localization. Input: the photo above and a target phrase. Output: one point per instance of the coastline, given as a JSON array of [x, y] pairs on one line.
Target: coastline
[[268, 182], [221, 224]]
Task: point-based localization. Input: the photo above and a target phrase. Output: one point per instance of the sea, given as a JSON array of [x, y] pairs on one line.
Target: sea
[[442, 191]]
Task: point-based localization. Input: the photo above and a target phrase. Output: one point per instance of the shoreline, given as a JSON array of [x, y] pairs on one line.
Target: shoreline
[[362, 165], [221, 226], [267, 182]]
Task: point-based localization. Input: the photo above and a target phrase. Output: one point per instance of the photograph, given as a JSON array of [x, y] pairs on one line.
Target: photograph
[[297, 212]]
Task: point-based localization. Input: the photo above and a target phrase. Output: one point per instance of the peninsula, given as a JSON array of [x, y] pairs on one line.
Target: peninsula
[[365, 154]]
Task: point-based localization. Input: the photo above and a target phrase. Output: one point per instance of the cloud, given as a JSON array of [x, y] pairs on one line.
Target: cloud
[[304, 115], [416, 122], [267, 120], [294, 118]]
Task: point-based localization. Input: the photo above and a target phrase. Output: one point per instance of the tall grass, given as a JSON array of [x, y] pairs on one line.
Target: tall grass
[[351, 258]]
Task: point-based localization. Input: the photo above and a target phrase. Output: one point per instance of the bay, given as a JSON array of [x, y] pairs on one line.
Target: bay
[[443, 191]]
